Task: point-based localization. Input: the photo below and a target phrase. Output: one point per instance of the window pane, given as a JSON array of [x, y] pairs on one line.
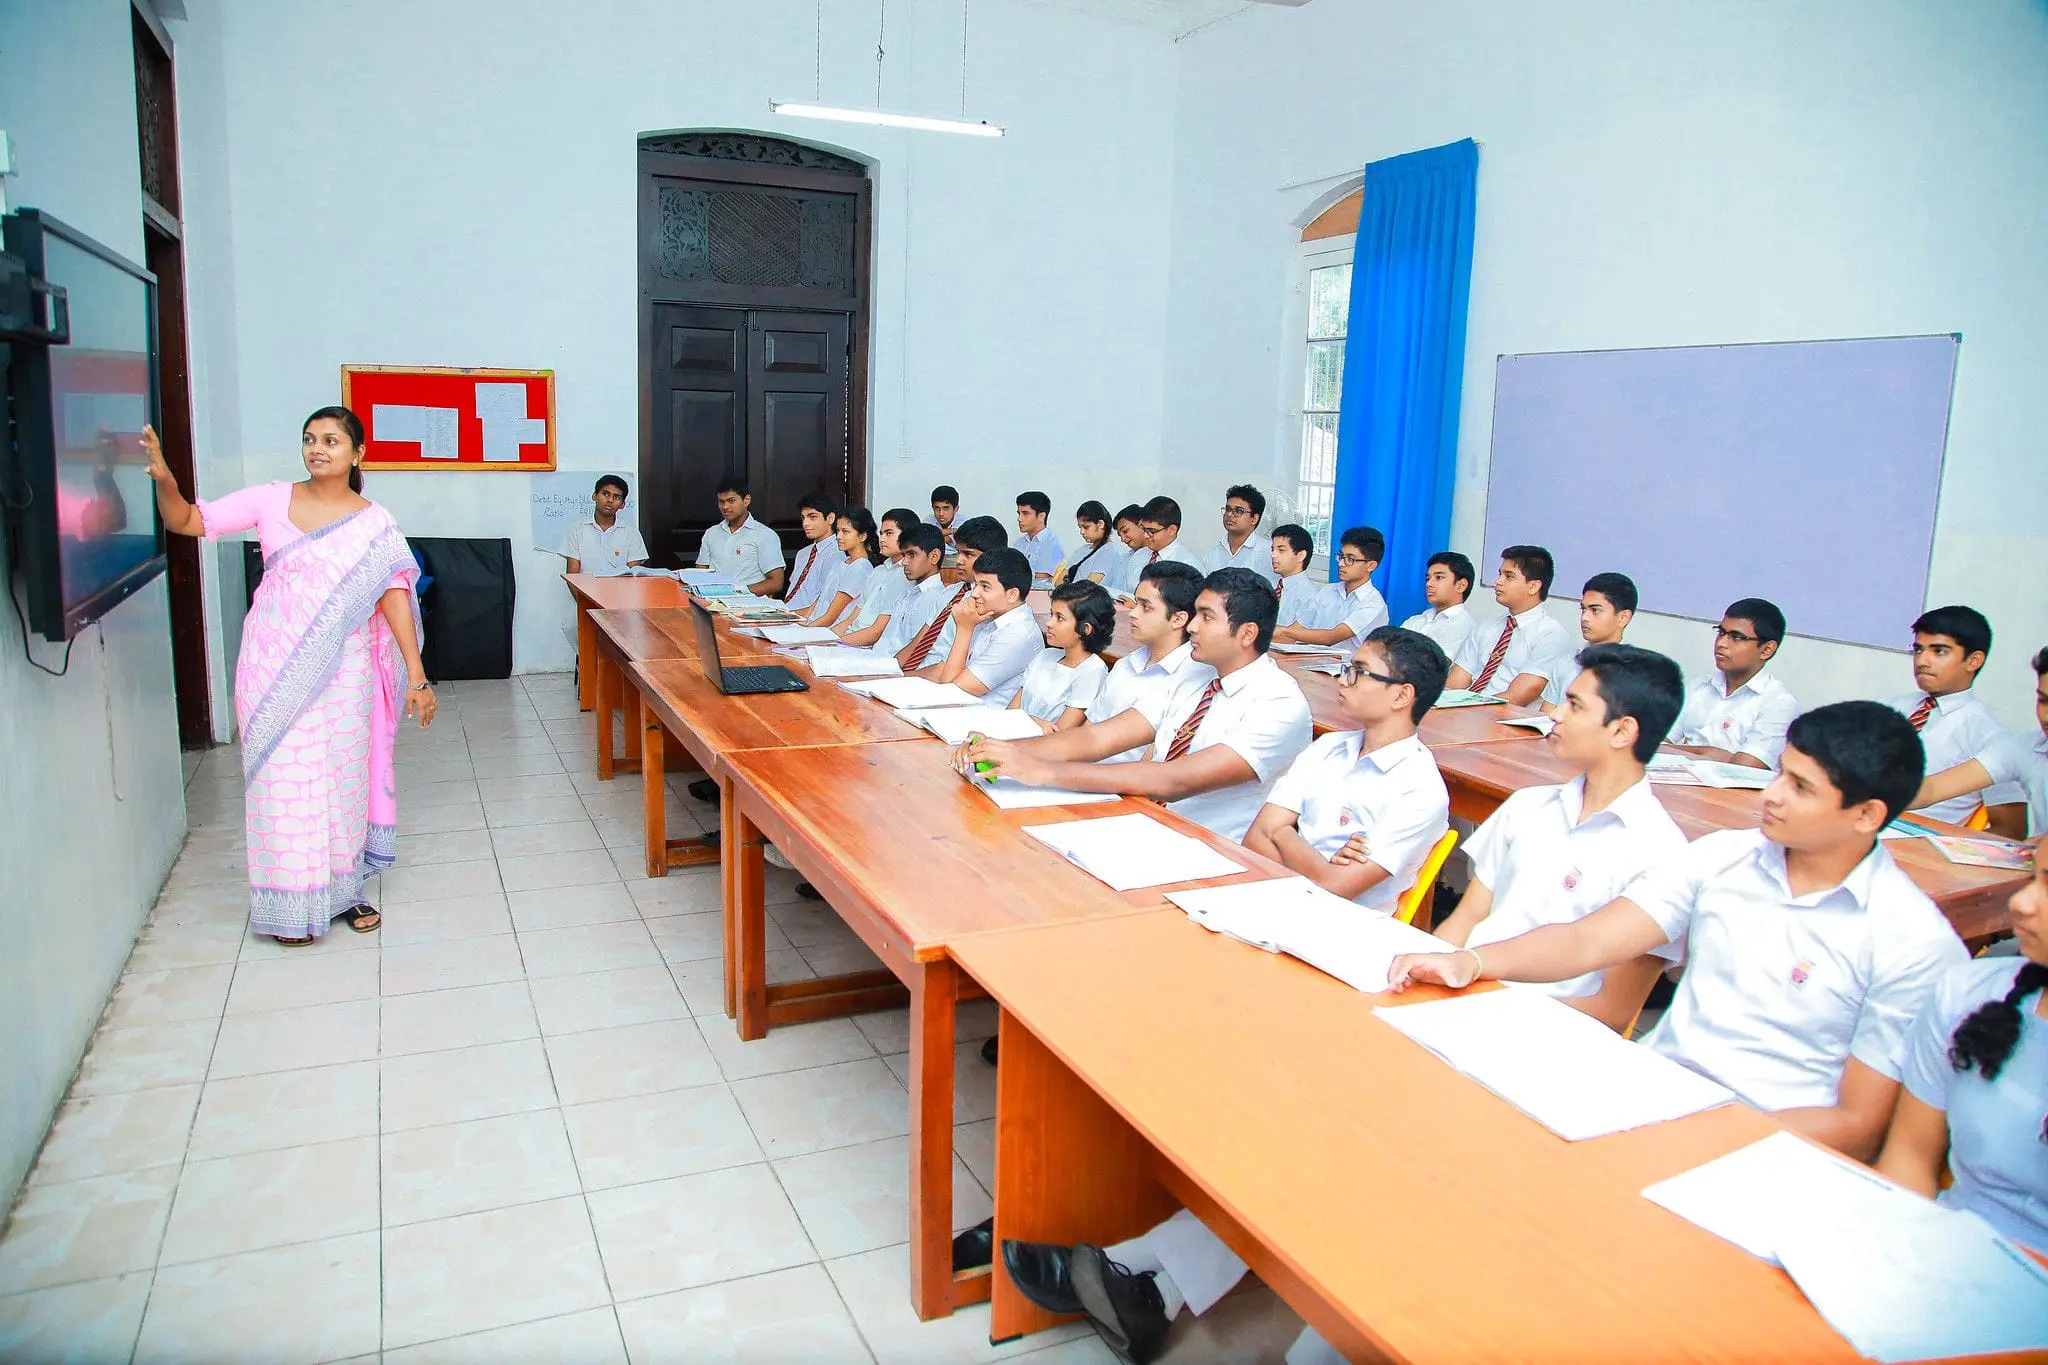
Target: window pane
[[1329, 300], [1323, 384], [1315, 501], [1319, 448]]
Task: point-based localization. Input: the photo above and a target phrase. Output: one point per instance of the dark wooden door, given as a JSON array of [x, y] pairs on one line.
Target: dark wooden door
[[796, 413]]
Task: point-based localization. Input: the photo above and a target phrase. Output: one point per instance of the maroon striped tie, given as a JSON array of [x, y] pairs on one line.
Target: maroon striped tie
[[929, 636], [1493, 660], [1184, 738], [1921, 713], [804, 573]]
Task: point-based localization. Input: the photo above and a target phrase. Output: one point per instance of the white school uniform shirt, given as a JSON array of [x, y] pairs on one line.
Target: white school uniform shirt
[[1140, 683], [1751, 720], [914, 611], [1043, 550], [1957, 730], [1361, 608], [1255, 554], [745, 556], [848, 576], [999, 650], [604, 553], [816, 564], [1451, 627], [1050, 687], [878, 595], [2011, 762], [1394, 796], [1540, 646], [1546, 865], [1088, 560], [1297, 595], [1178, 550], [1130, 566], [1780, 991], [1261, 714]]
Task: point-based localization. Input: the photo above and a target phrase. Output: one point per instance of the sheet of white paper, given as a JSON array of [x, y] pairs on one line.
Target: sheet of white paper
[[955, 723], [1565, 1069], [1749, 1195], [1454, 697], [1130, 851], [1011, 794], [708, 577], [1293, 915], [1734, 775], [1542, 725], [643, 571], [828, 661], [912, 694], [1307, 649], [435, 429], [799, 635]]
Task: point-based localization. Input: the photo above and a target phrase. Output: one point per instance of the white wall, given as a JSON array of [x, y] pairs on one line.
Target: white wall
[[91, 806], [455, 184], [1657, 174]]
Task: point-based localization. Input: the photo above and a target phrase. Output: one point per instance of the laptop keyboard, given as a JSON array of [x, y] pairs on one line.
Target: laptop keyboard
[[758, 677]]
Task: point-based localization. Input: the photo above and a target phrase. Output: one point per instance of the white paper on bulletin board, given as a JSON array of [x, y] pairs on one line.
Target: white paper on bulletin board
[[562, 499]]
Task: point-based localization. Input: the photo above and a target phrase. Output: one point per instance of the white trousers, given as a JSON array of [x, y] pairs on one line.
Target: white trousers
[[1192, 1268]]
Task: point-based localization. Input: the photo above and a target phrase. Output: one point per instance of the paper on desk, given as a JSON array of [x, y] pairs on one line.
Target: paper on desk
[[799, 635], [1307, 649], [704, 578], [1568, 1071], [1672, 770], [908, 694], [1130, 851], [1328, 667], [1750, 1195], [841, 662], [1458, 696], [1293, 915], [1738, 775], [1542, 725], [648, 571], [955, 723], [1010, 794], [1981, 852]]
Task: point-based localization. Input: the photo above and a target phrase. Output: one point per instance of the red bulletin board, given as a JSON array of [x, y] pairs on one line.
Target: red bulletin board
[[422, 417]]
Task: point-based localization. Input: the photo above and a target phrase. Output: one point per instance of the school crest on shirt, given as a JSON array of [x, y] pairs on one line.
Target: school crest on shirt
[[1571, 880], [1800, 971]]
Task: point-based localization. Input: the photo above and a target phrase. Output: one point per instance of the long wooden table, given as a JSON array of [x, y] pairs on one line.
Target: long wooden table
[[912, 860], [625, 638], [592, 593], [1440, 725], [1403, 1210]]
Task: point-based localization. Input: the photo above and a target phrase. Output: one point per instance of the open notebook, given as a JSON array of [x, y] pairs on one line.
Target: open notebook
[[1293, 915], [955, 723]]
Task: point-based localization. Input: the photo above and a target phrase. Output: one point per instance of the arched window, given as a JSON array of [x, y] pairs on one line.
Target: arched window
[[1323, 300]]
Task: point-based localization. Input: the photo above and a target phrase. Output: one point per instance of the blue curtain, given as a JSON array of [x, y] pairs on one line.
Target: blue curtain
[[1404, 361]]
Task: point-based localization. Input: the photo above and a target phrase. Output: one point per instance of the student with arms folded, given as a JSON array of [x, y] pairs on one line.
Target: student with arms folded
[[946, 511], [1034, 538], [995, 636], [1740, 714], [813, 568], [1447, 620], [1528, 659], [1950, 645], [1244, 507], [1807, 951], [740, 549], [604, 546], [1068, 674], [1606, 605], [1293, 548], [1096, 558], [2007, 760], [866, 617], [1347, 611], [860, 552]]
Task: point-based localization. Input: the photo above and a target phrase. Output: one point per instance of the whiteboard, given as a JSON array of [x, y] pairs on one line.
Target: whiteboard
[[560, 500], [1807, 473]]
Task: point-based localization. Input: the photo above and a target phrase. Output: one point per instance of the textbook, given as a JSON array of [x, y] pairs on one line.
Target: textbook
[[841, 661], [799, 635], [1458, 696], [912, 693], [1293, 915], [955, 723], [1125, 852], [1982, 852]]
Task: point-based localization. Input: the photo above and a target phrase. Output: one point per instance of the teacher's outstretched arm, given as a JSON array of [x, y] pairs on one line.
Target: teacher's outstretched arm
[[180, 517]]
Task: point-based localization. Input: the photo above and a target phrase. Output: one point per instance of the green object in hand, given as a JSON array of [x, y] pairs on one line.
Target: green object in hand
[[982, 765]]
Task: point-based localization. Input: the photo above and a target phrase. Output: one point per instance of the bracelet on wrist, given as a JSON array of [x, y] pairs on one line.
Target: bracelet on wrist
[[1476, 958], [421, 686]]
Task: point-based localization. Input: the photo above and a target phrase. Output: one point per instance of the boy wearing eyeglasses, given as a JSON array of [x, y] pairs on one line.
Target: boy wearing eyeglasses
[[1244, 507], [1351, 608], [1740, 713], [1360, 810]]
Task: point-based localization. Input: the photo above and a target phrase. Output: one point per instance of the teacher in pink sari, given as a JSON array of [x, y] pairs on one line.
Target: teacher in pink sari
[[330, 662]]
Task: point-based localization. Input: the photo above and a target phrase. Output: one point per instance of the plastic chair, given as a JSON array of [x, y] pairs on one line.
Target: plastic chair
[[1413, 899], [1980, 818]]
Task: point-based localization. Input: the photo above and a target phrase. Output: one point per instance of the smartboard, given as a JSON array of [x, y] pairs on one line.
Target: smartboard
[[1804, 472]]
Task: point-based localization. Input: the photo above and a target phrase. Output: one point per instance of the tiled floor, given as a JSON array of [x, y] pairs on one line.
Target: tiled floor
[[514, 1124]]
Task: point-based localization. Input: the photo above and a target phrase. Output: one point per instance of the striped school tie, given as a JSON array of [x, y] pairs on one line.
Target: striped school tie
[[922, 644], [1184, 738], [1493, 660], [1921, 713], [1154, 559], [802, 574]]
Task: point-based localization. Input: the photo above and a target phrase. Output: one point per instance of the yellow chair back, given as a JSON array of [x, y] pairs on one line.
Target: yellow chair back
[[1424, 888], [1980, 818]]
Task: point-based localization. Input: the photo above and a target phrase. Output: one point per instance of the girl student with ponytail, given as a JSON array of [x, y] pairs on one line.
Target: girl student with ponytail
[[1976, 1082]]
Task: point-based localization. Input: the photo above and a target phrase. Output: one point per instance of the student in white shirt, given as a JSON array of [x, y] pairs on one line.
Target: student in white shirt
[[1528, 658], [1220, 741], [604, 546], [1347, 611], [1161, 525], [1293, 547], [1068, 674], [1974, 1102], [812, 567], [1360, 810], [1606, 605], [1160, 658], [1446, 583], [1244, 507], [1950, 645], [740, 548], [2007, 759], [988, 657], [1807, 951], [926, 595], [946, 511], [1553, 855], [860, 552], [1034, 538], [1740, 713], [931, 640], [866, 618], [1097, 557], [1137, 552]]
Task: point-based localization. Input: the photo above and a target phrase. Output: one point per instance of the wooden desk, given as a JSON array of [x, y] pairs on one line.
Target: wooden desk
[[911, 859], [626, 637], [1404, 1211], [610, 594], [1454, 725]]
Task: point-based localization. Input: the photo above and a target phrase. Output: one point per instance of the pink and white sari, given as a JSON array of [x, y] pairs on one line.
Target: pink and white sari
[[318, 698]]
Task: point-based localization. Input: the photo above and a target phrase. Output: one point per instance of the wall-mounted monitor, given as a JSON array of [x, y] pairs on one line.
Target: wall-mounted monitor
[[82, 523]]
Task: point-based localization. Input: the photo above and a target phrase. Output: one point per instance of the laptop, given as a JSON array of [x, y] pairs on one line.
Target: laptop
[[753, 680]]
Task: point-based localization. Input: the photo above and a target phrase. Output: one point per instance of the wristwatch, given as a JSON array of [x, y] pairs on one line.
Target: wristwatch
[[421, 686]]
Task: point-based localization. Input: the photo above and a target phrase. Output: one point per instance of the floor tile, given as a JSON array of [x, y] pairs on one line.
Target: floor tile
[[888, 1030], [109, 1134], [974, 1082], [695, 937], [485, 1270], [536, 788], [794, 1112], [566, 907], [468, 1083], [456, 815], [86, 1229], [457, 1018], [441, 881], [420, 795], [588, 948], [306, 979], [269, 1199], [789, 1048], [840, 959], [587, 1338], [633, 995], [509, 813], [548, 871], [410, 968], [419, 848], [528, 841], [786, 1315], [74, 1324], [685, 891], [160, 947], [807, 924], [137, 1058], [313, 1301], [703, 983], [447, 920], [651, 1137], [481, 1164], [337, 939], [875, 1286], [854, 1199], [173, 996], [640, 1059], [976, 1144], [291, 1040], [286, 1109], [696, 1230]]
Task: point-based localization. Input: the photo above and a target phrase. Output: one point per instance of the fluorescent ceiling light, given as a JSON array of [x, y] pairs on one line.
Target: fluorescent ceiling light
[[885, 119]]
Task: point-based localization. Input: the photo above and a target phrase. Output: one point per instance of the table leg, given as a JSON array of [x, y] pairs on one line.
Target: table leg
[[746, 953], [629, 705], [934, 994], [603, 703], [654, 797], [586, 659], [728, 891]]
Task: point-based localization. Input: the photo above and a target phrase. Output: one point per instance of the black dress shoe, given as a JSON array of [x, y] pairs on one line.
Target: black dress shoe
[[988, 1051], [975, 1247], [704, 789], [805, 891], [1039, 1270], [1127, 1309]]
